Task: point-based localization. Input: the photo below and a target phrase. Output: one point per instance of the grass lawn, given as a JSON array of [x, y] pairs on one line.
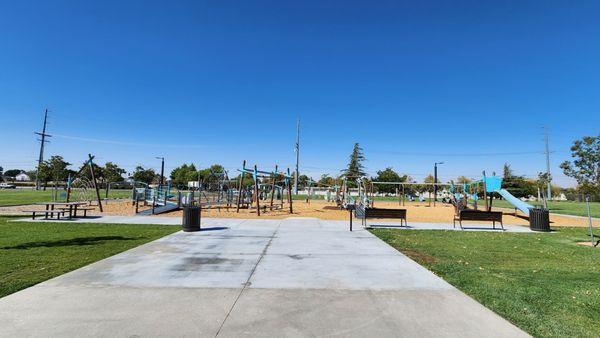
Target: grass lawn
[[31, 253], [563, 207], [544, 283], [27, 196]]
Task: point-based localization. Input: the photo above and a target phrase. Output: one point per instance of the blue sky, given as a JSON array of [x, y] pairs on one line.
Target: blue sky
[[470, 83]]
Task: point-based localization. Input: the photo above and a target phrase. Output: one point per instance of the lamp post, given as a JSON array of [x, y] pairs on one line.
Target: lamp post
[[162, 171], [435, 181]]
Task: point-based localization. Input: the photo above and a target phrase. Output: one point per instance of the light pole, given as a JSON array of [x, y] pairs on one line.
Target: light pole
[[162, 171], [435, 181]]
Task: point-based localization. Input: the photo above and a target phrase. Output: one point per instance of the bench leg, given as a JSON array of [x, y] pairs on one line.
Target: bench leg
[[33, 215], [494, 225], [460, 223], [502, 225]]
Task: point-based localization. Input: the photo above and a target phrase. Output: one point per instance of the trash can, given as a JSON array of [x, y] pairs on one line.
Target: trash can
[[191, 218], [539, 219]]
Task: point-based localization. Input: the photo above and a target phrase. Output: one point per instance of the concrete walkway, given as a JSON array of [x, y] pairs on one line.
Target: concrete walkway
[[293, 277]]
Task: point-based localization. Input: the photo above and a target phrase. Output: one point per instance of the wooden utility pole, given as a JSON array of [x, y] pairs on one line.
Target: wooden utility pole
[[42, 143]]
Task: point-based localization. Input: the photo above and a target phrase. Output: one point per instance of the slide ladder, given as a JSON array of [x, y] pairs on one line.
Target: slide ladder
[[524, 207]]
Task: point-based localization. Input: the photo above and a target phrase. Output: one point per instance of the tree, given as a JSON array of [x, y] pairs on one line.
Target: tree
[[12, 173], [54, 169], [84, 172], [430, 179], [389, 175], [355, 167], [112, 172], [144, 175], [1, 174], [326, 180], [506, 172], [463, 179], [585, 169], [185, 173], [303, 181]]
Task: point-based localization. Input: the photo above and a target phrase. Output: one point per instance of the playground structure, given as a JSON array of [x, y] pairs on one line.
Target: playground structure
[[266, 185], [487, 186], [85, 189], [344, 198]]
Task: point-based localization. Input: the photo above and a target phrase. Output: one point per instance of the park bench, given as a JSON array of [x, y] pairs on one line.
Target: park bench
[[366, 213], [46, 213], [478, 215]]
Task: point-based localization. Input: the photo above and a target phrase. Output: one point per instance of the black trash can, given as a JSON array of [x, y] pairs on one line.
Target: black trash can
[[539, 219], [191, 218]]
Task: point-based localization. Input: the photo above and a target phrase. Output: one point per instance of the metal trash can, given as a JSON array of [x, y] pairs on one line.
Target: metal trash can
[[191, 218], [539, 219]]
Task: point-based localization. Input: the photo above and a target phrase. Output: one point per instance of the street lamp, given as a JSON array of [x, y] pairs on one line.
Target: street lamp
[[162, 171], [435, 181]]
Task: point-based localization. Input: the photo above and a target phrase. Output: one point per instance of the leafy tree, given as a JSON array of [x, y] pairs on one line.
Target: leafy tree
[[85, 173], [12, 172], [112, 172], [185, 173], [54, 169], [145, 175], [463, 179], [507, 172], [585, 169], [431, 179], [326, 180], [1, 174], [303, 180], [389, 175], [355, 167]]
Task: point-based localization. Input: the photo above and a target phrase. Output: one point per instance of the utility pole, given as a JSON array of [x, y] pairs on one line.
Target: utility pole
[[549, 194], [42, 142], [297, 149]]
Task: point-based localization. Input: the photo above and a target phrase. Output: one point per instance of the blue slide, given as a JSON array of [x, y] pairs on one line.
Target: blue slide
[[524, 207]]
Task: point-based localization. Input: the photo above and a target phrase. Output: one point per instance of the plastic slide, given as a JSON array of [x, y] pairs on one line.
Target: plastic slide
[[524, 207]]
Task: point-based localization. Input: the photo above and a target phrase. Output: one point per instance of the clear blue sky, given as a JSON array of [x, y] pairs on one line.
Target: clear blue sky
[[218, 82]]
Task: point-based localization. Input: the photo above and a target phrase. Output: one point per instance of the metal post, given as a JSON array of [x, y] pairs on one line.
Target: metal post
[[350, 211], [549, 194], [587, 202], [297, 157], [434, 183]]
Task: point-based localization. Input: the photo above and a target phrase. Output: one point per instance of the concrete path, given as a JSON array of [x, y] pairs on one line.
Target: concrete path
[[293, 277], [468, 226]]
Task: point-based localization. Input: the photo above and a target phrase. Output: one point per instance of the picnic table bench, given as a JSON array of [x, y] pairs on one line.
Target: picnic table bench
[[60, 208], [366, 213], [478, 215]]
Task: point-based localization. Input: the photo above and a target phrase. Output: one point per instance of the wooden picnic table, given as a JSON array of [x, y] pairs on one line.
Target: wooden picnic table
[[71, 206]]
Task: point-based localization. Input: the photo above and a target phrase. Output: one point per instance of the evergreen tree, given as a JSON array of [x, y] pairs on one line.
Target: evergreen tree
[[355, 167]]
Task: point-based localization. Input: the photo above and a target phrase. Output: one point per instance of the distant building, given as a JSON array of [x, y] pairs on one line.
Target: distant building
[[22, 177]]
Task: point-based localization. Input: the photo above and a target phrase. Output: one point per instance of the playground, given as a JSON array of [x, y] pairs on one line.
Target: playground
[[417, 212]]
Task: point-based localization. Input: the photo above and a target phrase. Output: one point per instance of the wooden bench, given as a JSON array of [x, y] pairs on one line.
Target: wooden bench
[[366, 213], [478, 215], [46, 212]]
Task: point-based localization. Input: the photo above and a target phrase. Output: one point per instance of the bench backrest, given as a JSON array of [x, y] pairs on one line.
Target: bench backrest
[[385, 213], [476, 215]]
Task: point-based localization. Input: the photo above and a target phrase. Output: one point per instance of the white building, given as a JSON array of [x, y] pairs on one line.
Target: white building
[[22, 177]]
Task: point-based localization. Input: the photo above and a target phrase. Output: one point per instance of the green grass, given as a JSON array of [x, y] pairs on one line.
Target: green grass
[[27, 196], [31, 253], [562, 207], [544, 283]]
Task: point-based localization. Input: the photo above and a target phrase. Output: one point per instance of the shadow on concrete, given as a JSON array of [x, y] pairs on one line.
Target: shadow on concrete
[[68, 242], [214, 228]]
